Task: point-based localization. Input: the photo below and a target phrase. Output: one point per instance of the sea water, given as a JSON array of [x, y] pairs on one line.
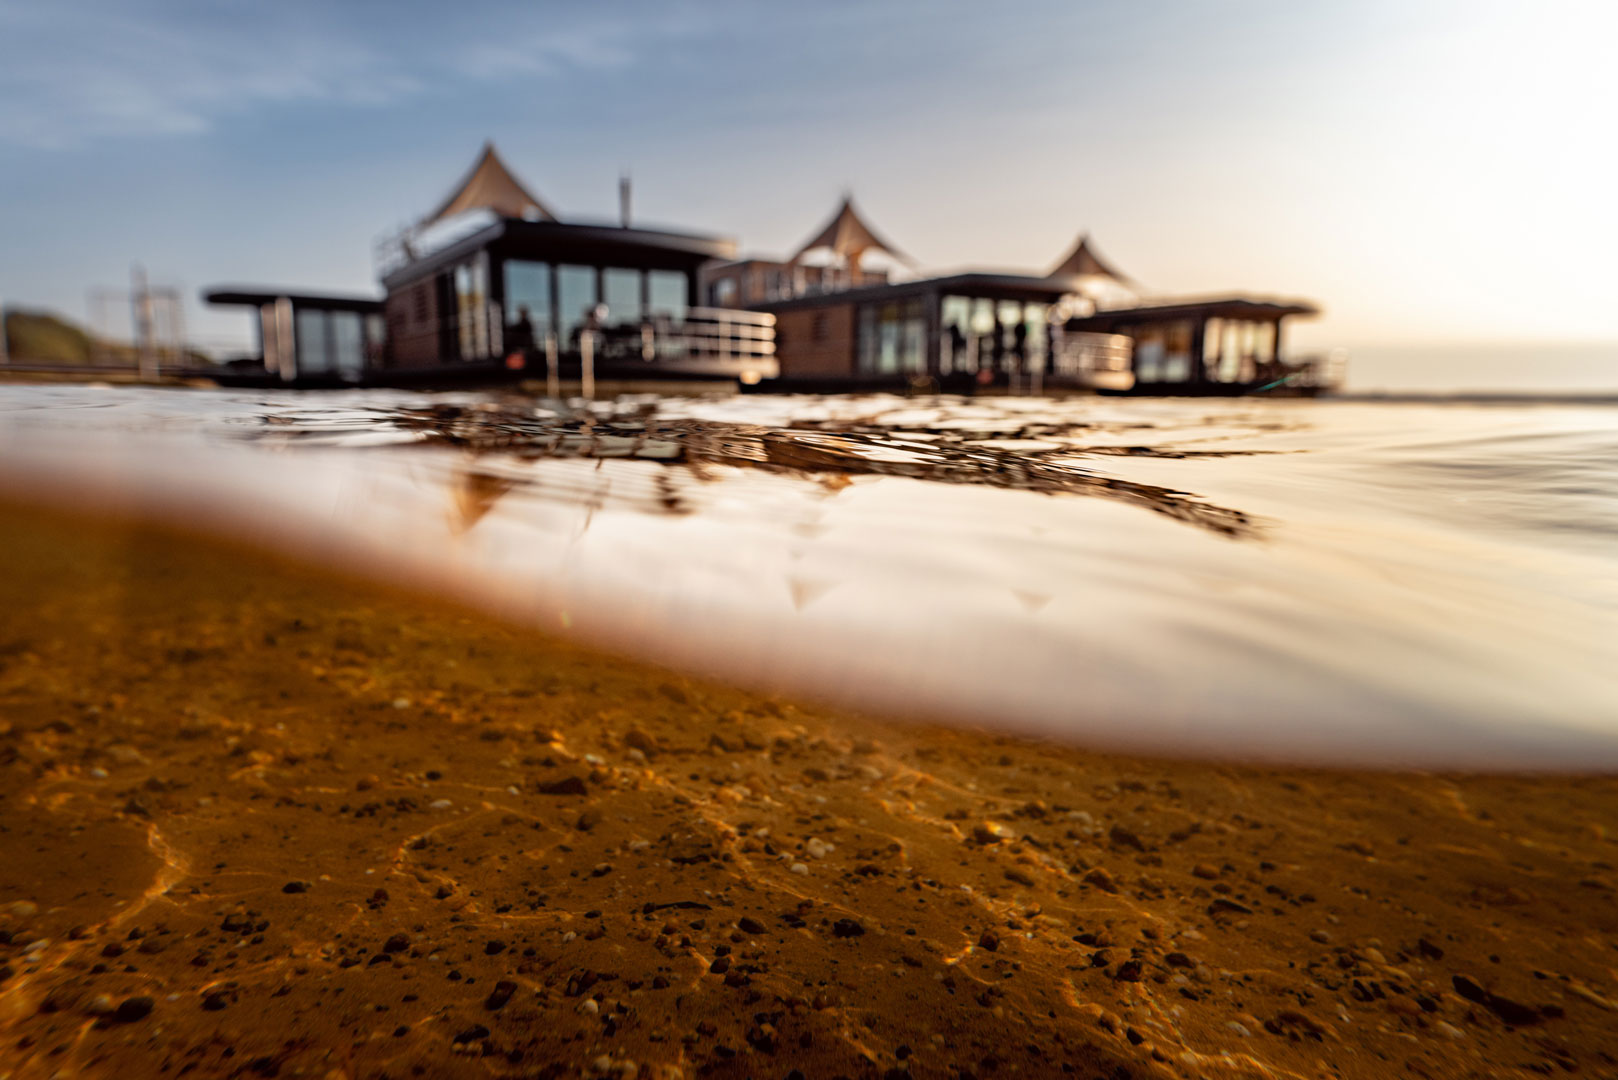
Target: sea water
[[1414, 583]]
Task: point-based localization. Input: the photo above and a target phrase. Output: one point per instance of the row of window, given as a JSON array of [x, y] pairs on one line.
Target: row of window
[[993, 335], [976, 334], [1232, 350], [336, 342], [542, 298]]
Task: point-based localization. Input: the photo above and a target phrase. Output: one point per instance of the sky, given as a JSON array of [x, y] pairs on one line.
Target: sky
[[1431, 172]]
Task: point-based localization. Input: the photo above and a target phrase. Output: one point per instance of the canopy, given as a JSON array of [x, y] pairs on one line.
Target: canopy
[[848, 237], [490, 186], [1082, 261]]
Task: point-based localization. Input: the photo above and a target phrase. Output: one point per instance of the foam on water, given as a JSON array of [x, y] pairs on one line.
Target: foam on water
[[1332, 582]]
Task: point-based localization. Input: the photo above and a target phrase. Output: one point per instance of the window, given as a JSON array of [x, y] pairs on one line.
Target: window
[[913, 339], [723, 292], [376, 337], [620, 291], [1012, 332], [817, 326], [955, 315], [314, 347], [1036, 347], [575, 298], [1210, 343], [471, 309], [893, 338], [1264, 342], [347, 343], [528, 304], [1148, 353], [1176, 352], [867, 343], [887, 339], [666, 293]]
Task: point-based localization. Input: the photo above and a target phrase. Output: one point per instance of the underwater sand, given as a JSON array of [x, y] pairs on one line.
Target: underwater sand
[[257, 820]]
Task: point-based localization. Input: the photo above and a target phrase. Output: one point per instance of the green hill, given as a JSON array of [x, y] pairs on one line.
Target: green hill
[[43, 338]]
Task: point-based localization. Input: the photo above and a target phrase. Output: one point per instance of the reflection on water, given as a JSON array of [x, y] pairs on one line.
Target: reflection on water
[[1041, 456], [1351, 581]]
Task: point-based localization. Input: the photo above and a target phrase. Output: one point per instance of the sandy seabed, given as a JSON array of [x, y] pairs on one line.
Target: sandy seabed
[[258, 820]]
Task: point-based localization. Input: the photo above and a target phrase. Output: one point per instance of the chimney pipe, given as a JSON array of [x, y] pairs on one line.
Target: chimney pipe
[[623, 200]]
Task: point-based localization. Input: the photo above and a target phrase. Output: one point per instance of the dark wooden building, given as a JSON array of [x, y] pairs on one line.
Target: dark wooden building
[[308, 338], [1082, 326], [1224, 345], [959, 331], [520, 294]]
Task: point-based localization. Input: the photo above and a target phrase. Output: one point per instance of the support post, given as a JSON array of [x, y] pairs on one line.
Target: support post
[[587, 364], [553, 378]]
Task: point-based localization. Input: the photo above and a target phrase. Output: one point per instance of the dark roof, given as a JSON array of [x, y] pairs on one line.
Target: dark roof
[[234, 294], [991, 286], [589, 244], [1222, 307]]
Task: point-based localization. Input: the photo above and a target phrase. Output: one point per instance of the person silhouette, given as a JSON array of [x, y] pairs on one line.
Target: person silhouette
[[521, 334]]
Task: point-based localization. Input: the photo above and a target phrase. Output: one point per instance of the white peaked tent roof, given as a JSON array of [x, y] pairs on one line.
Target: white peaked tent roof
[[848, 237], [490, 186], [1082, 261]]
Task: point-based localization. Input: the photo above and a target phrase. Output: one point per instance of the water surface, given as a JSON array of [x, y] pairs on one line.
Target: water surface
[[1334, 582]]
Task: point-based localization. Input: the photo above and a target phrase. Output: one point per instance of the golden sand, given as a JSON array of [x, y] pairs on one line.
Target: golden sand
[[257, 820]]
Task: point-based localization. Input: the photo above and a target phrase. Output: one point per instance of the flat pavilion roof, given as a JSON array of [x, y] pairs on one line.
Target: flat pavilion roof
[[988, 286], [589, 244], [1218, 307], [235, 294]]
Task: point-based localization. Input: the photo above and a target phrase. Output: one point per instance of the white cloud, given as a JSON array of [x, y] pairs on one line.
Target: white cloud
[[71, 73], [75, 71]]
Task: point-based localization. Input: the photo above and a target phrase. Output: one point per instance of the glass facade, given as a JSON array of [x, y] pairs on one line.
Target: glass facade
[[955, 329], [981, 339], [1177, 352], [1036, 336], [471, 309], [331, 342], [347, 342], [1235, 350], [620, 291], [666, 293], [973, 334], [314, 344], [575, 297], [893, 338], [630, 295], [528, 304], [1162, 351]]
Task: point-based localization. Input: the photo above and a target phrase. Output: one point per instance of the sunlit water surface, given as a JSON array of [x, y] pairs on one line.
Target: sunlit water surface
[[1336, 582]]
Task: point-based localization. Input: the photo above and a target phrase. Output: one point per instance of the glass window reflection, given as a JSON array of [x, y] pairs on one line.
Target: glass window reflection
[[667, 294], [575, 296], [620, 290], [528, 305]]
